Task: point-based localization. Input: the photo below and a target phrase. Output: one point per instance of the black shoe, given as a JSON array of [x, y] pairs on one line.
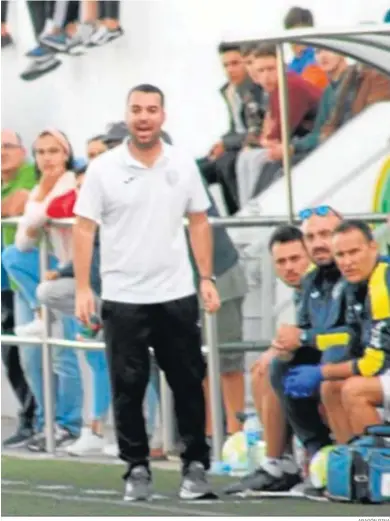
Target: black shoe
[[6, 40], [138, 484], [62, 438], [262, 481], [316, 494], [39, 67], [19, 439], [194, 484]]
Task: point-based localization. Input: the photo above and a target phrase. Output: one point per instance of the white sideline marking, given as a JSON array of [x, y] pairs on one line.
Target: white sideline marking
[[12, 482], [54, 487], [145, 505]]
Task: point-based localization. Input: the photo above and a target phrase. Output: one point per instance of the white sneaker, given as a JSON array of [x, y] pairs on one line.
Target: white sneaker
[[34, 328], [111, 450], [88, 443]]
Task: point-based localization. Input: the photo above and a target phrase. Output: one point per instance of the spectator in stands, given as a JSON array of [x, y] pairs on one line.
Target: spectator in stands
[[43, 60], [351, 391], [219, 165], [278, 471], [255, 106], [17, 179], [96, 146], [335, 67], [109, 27], [303, 102], [361, 86], [387, 17], [6, 38], [304, 62], [53, 155], [58, 294], [232, 288]]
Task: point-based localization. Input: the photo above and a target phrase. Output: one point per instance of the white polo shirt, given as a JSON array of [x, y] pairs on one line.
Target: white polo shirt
[[140, 210]]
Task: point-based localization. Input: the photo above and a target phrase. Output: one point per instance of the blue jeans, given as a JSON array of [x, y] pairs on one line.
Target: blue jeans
[[101, 383], [301, 413], [23, 269]]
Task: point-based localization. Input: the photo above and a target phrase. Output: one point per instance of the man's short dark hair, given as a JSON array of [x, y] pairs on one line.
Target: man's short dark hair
[[298, 17], [99, 137], [148, 89], [247, 48], [284, 234], [228, 47], [265, 50], [355, 224]]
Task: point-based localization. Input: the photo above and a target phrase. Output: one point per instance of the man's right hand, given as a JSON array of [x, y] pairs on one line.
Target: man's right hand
[[51, 275], [85, 305]]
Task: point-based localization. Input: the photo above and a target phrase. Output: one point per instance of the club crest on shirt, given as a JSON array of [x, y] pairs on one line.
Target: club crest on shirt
[[172, 177]]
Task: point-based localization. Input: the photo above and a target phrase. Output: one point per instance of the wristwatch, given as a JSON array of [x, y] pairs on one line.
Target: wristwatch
[[303, 337], [212, 278]]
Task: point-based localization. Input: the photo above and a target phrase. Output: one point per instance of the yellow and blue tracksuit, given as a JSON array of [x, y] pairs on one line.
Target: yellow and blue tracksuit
[[369, 311], [321, 314]]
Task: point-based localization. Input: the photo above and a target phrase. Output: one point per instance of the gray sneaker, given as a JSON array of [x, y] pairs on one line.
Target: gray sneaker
[[138, 484], [19, 439], [194, 484]]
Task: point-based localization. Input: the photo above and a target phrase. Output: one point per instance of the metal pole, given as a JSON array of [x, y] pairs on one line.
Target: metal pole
[[213, 372], [47, 364], [167, 417], [285, 126]]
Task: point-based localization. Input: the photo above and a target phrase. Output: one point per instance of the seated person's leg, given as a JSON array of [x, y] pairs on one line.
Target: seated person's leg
[[331, 396], [361, 396], [23, 268], [70, 389], [30, 359], [302, 414], [248, 165], [268, 407], [337, 419]]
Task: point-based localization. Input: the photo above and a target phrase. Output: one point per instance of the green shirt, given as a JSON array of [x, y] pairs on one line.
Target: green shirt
[[25, 179]]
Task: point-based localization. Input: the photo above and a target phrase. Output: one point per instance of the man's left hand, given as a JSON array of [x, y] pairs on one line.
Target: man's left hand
[[289, 337], [210, 296], [303, 381]]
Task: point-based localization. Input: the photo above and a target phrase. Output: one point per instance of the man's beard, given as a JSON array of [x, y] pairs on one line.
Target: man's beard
[[145, 145]]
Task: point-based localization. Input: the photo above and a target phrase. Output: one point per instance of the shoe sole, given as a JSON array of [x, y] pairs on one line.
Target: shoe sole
[[38, 74], [15, 445], [190, 496]]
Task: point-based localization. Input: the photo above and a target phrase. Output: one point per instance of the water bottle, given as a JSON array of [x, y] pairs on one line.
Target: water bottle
[[252, 431]]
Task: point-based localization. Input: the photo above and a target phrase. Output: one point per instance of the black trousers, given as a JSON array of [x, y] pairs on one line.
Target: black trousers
[[223, 171], [4, 11], [14, 371], [40, 11], [109, 9], [301, 413], [172, 329]]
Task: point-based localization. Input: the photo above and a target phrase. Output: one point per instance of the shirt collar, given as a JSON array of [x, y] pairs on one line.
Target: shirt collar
[[163, 158]]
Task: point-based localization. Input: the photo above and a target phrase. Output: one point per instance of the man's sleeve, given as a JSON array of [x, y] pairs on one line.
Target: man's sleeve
[[198, 200], [89, 202], [376, 355], [322, 338], [302, 97]]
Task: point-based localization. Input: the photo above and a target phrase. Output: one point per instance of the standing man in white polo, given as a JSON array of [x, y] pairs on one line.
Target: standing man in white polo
[[138, 193]]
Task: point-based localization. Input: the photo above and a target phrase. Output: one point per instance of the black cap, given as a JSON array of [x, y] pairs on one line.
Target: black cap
[[116, 132]]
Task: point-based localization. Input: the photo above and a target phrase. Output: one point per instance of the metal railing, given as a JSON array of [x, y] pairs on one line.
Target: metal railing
[[211, 350]]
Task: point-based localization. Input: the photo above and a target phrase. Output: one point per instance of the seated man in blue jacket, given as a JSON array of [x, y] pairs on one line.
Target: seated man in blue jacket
[[352, 390]]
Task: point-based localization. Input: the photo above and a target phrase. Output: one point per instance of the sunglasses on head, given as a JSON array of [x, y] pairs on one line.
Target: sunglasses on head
[[318, 210]]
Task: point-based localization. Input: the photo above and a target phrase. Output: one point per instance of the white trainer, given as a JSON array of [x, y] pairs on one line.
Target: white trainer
[[88, 443], [34, 328], [111, 450]]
